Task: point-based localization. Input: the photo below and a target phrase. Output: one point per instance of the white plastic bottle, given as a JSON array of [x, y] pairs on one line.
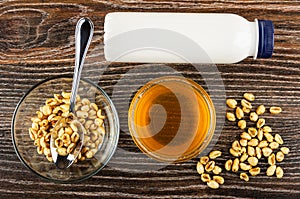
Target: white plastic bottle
[[185, 37]]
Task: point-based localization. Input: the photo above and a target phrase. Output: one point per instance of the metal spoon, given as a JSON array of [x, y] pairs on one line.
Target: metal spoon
[[83, 36]]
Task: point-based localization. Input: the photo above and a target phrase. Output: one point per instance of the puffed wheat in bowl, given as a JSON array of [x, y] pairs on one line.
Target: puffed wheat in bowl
[[36, 115]]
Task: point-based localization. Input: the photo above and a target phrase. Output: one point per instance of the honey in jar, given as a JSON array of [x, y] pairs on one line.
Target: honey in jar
[[171, 119]]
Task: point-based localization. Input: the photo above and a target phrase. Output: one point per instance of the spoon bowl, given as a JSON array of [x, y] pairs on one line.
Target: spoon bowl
[[67, 160]]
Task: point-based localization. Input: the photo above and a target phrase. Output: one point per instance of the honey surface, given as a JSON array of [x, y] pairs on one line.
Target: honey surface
[[171, 119]]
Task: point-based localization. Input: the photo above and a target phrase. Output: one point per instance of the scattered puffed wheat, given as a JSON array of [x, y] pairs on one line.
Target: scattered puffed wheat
[[273, 145], [239, 113], [267, 151], [245, 136], [219, 179], [271, 170], [205, 177], [249, 96], [267, 129], [275, 110], [258, 152], [230, 117], [210, 166], [278, 139], [244, 176], [213, 184], [236, 146], [285, 150], [204, 160], [251, 151], [279, 172], [235, 165], [260, 134], [215, 154], [260, 110], [246, 110], [200, 168], [253, 116], [245, 167], [253, 161], [254, 171], [260, 122], [252, 132], [228, 165], [244, 157], [242, 124], [279, 156], [246, 104], [263, 144], [243, 142], [217, 170], [269, 137], [234, 152], [231, 103], [253, 142], [271, 159]]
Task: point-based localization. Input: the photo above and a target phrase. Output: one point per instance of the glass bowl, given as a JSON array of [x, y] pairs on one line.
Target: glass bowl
[[38, 163], [172, 119]]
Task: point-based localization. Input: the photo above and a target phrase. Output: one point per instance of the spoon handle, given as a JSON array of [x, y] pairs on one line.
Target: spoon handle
[[83, 36]]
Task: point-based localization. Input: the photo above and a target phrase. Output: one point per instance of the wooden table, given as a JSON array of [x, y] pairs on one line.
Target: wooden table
[[37, 42]]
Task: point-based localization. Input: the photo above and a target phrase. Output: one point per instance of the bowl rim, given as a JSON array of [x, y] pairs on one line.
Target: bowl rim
[[117, 125]]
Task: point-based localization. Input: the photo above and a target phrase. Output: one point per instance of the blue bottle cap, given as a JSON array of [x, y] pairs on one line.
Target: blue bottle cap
[[266, 39]]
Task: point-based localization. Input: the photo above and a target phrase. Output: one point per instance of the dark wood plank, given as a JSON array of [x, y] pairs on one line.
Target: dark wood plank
[[37, 42]]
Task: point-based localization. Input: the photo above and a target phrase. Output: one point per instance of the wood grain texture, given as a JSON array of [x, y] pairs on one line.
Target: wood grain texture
[[37, 42]]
